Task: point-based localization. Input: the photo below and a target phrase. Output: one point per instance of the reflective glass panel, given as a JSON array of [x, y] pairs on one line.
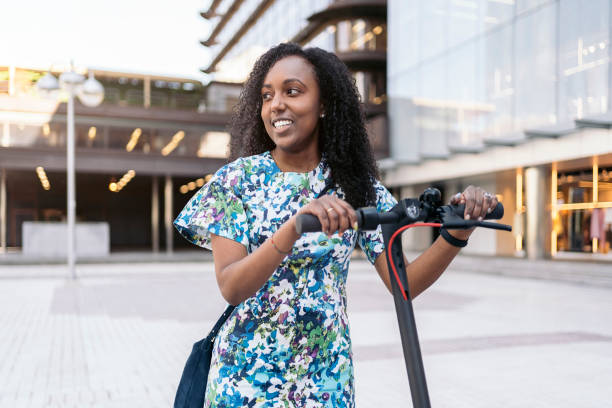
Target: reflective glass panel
[[361, 35], [498, 82], [434, 28], [431, 109], [605, 185], [575, 187], [535, 67], [462, 98], [526, 5], [583, 58], [404, 40], [463, 21], [495, 12]]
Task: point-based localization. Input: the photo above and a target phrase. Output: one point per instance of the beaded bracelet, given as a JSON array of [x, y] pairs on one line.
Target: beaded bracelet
[[275, 247]]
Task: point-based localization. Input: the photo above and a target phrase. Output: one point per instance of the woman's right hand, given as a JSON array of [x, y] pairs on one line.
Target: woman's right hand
[[333, 213]]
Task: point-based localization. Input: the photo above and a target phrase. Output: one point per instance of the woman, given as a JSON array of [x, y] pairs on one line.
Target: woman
[[300, 146]]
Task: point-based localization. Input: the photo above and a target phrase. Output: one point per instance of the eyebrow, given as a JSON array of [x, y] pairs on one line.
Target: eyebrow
[[286, 81]]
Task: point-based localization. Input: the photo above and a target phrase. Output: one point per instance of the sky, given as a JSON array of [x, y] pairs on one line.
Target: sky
[[140, 36]]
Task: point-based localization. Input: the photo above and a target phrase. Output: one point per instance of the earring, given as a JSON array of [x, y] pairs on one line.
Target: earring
[[322, 115]]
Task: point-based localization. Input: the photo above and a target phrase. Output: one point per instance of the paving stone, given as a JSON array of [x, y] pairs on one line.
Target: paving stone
[[119, 336]]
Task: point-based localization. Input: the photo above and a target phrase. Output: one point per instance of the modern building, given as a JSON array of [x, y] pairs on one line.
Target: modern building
[[158, 134], [512, 95], [169, 132], [355, 30]]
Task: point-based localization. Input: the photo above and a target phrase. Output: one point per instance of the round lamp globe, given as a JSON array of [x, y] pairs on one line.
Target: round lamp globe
[[92, 92]]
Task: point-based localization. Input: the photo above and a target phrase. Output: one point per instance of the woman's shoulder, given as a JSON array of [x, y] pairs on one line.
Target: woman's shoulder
[[244, 165], [241, 172], [384, 198]]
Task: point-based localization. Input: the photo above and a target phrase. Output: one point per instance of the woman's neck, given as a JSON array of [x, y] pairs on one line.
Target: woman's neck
[[301, 162]]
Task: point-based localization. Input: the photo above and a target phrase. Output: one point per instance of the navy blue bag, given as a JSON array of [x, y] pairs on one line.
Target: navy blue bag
[[192, 387]]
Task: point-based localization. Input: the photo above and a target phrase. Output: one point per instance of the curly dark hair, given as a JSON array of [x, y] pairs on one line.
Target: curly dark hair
[[343, 140]]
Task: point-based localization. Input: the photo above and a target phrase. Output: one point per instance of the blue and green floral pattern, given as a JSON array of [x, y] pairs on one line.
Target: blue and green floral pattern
[[288, 345]]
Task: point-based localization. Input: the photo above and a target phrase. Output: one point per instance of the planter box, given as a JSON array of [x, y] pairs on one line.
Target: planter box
[[49, 239]]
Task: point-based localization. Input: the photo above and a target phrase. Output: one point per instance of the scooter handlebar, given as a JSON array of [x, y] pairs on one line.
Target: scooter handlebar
[[307, 223], [496, 214], [371, 218]]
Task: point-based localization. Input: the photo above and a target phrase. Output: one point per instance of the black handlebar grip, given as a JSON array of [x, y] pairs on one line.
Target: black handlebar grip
[[496, 214], [367, 218], [307, 223]]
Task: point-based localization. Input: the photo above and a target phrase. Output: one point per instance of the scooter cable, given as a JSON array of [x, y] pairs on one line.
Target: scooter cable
[[395, 234]]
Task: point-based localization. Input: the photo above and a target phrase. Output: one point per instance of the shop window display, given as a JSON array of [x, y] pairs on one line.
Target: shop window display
[[584, 218]]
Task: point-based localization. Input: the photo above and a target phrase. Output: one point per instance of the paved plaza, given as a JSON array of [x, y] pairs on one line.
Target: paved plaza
[[119, 336]]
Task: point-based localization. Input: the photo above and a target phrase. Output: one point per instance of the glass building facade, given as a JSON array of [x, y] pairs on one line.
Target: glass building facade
[[282, 21], [358, 36], [174, 104], [279, 23], [487, 90], [485, 69], [151, 141]]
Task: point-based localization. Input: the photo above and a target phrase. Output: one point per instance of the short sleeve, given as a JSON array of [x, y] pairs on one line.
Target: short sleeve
[[371, 242], [216, 209]]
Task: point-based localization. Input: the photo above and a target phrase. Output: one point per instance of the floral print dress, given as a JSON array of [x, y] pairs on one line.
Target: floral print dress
[[288, 345]]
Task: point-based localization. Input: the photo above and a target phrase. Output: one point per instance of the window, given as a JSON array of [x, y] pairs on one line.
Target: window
[[499, 82], [582, 208], [583, 58], [371, 86], [361, 35], [535, 59]]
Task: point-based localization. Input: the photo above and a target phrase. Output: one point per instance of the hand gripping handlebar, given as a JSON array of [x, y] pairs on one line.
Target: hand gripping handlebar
[[408, 211]]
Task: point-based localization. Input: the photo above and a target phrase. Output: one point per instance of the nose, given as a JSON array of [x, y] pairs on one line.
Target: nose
[[278, 102]]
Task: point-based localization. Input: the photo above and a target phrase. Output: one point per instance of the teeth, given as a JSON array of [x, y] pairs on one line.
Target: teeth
[[281, 123]]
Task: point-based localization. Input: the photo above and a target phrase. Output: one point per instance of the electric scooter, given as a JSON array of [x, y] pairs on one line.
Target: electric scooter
[[427, 210]]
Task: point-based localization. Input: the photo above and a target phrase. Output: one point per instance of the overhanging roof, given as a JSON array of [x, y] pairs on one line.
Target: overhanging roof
[[263, 6], [224, 20], [212, 10], [341, 10], [364, 60], [598, 121]]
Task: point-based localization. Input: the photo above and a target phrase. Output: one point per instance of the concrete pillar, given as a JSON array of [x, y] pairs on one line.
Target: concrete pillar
[[12, 80], [3, 214], [155, 214], [147, 92], [536, 214], [168, 214], [106, 134], [6, 135]]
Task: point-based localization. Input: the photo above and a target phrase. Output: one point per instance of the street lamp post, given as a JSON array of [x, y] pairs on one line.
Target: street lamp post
[[90, 93]]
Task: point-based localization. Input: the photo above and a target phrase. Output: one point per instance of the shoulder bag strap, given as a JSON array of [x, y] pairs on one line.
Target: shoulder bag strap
[[222, 319]]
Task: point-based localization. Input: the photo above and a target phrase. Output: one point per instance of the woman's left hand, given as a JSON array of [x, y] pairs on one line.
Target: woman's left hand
[[478, 203]]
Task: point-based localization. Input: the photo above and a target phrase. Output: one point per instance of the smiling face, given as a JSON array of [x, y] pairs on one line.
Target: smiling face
[[291, 105]]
